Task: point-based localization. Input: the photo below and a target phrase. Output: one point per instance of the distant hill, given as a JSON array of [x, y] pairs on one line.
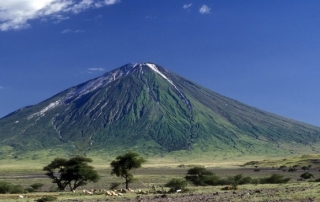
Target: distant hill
[[145, 108]]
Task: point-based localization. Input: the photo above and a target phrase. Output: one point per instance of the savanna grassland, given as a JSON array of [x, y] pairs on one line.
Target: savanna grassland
[[154, 175]]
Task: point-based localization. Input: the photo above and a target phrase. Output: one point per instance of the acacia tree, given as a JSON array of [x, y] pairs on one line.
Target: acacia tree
[[74, 172], [124, 163]]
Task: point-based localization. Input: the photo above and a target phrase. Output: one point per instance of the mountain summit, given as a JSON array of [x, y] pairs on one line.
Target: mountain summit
[[146, 108]]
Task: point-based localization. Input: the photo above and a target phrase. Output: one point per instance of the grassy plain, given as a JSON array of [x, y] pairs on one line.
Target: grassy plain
[[157, 172]]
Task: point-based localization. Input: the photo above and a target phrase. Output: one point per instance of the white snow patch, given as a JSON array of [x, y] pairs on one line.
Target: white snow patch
[[94, 84], [42, 112], [154, 68]]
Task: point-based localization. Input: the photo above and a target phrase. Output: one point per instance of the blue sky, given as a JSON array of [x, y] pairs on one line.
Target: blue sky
[[263, 53]]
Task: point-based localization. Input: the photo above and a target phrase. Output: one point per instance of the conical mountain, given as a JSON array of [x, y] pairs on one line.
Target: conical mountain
[[145, 108]]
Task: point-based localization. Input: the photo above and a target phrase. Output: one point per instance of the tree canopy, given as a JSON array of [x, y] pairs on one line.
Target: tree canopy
[[74, 172], [124, 163], [200, 176]]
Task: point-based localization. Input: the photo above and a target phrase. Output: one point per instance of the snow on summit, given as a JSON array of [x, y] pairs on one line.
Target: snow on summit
[[155, 69]]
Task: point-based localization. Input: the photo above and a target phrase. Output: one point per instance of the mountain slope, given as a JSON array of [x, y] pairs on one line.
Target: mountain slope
[[144, 107]]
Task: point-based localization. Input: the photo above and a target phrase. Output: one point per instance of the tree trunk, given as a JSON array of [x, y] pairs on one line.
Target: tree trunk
[[127, 183]]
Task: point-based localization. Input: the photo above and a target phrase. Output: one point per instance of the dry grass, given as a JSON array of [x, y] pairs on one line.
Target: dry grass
[[157, 172]]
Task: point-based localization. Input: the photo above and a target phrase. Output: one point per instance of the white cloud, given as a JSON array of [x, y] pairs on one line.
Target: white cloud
[[16, 14], [1, 87], [96, 69], [110, 2], [67, 31], [186, 6], [204, 9]]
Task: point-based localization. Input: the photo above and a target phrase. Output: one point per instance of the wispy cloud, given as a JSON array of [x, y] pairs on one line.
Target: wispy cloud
[[68, 31], [1, 87], [92, 70], [110, 2], [186, 6], [60, 18], [79, 31], [204, 9], [16, 14]]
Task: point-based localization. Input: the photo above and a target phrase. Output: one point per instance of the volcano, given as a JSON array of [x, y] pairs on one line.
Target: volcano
[[145, 108]]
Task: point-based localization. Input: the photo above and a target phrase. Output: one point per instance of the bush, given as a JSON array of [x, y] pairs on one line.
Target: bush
[[274, 179], [8, 188], [17, 189], [283, 168], [176, 184], [29, 189], [199, 171], [238, 180], [245, 180], [306, 175], [255, 181], [200, 176], [292, 170], [210, 180], [37, 185], [5, 187]]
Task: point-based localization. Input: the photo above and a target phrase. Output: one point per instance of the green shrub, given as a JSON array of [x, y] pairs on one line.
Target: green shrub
[[199, 171], [245, 180], [237, 180], [29, 189], [176, 184], [292, 170], [274, 179], [255, 181], [17, 189], [8, 188], [211, 180], [200, 176], [5, 187], [37, 185], [306, 175]]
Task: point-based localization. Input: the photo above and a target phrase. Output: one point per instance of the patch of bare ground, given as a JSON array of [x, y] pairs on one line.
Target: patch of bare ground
[[266, 195]]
